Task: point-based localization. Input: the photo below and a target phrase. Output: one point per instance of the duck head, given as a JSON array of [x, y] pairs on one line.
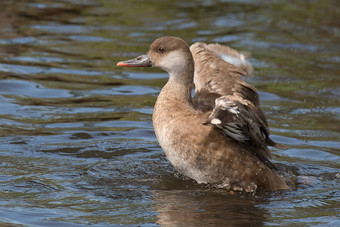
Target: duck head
[[171, 54]]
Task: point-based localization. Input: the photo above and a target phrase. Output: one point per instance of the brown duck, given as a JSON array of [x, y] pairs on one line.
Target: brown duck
[[220, 136]]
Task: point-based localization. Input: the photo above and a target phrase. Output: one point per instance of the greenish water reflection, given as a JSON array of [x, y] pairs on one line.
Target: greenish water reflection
[[76, 139]]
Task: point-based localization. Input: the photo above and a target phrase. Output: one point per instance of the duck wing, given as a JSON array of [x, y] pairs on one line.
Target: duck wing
[[240, 120], [218, 71], [231, 104]]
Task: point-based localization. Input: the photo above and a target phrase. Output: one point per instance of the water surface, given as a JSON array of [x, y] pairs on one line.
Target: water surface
[[77, 144]]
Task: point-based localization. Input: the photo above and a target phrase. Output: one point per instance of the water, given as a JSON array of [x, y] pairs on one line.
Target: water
[[77, 144]]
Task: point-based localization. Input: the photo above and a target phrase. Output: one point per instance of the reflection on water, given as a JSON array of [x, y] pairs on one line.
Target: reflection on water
[[199, 208], [77, 144]]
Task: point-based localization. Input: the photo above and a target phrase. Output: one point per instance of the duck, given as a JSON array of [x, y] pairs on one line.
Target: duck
[[220, 135]]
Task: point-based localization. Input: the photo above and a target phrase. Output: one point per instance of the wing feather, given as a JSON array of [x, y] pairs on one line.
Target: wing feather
[[234, 105]]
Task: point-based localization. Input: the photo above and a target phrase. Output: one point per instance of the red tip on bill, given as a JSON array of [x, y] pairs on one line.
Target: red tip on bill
[[122, 64]]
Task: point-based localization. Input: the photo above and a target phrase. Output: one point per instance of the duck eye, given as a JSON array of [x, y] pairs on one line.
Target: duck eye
[[161, 49]]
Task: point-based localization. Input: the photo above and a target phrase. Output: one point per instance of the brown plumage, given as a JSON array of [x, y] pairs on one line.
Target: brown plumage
[[221, 135], [235, 103]]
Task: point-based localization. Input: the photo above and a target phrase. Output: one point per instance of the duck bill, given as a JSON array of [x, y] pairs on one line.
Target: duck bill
[[140, 61]]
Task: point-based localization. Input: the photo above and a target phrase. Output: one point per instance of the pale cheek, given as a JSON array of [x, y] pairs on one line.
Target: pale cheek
[[172, 62]]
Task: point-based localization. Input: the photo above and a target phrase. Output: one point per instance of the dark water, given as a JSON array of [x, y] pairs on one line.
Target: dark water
[[77, 145]]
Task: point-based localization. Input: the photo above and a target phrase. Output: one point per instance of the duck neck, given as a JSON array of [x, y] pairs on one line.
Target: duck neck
[[179, 86]]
